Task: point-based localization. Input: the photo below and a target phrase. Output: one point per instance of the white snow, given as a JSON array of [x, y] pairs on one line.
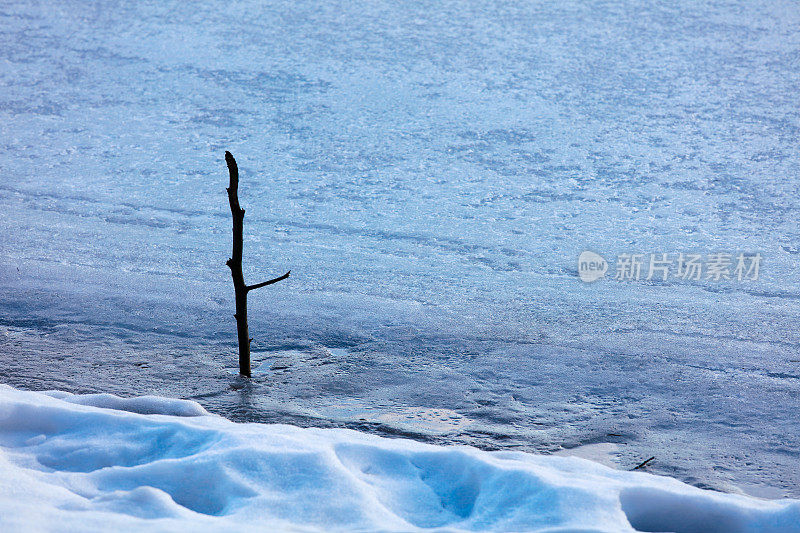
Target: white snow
[[84, 463]]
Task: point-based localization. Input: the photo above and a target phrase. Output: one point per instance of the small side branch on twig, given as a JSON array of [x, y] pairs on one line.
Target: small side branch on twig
[[270, 282]]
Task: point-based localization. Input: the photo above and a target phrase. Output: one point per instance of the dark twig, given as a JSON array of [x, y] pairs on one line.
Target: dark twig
[[644, 463], [235, 264]]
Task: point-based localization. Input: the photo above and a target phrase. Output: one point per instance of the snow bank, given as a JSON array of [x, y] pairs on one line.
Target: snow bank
[[96, 462]]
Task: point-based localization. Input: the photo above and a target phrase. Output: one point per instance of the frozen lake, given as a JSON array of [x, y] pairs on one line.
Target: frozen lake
[[430, 173]]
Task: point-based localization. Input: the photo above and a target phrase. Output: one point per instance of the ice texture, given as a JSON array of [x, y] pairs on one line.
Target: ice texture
[[430, 173]]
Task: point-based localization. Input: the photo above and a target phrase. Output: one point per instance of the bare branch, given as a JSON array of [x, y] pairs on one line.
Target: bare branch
[[643, 464], [270, 282], [235, 264]]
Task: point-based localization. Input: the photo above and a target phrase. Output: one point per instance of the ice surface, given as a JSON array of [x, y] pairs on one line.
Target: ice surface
[[430, 173], [73, 463]]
